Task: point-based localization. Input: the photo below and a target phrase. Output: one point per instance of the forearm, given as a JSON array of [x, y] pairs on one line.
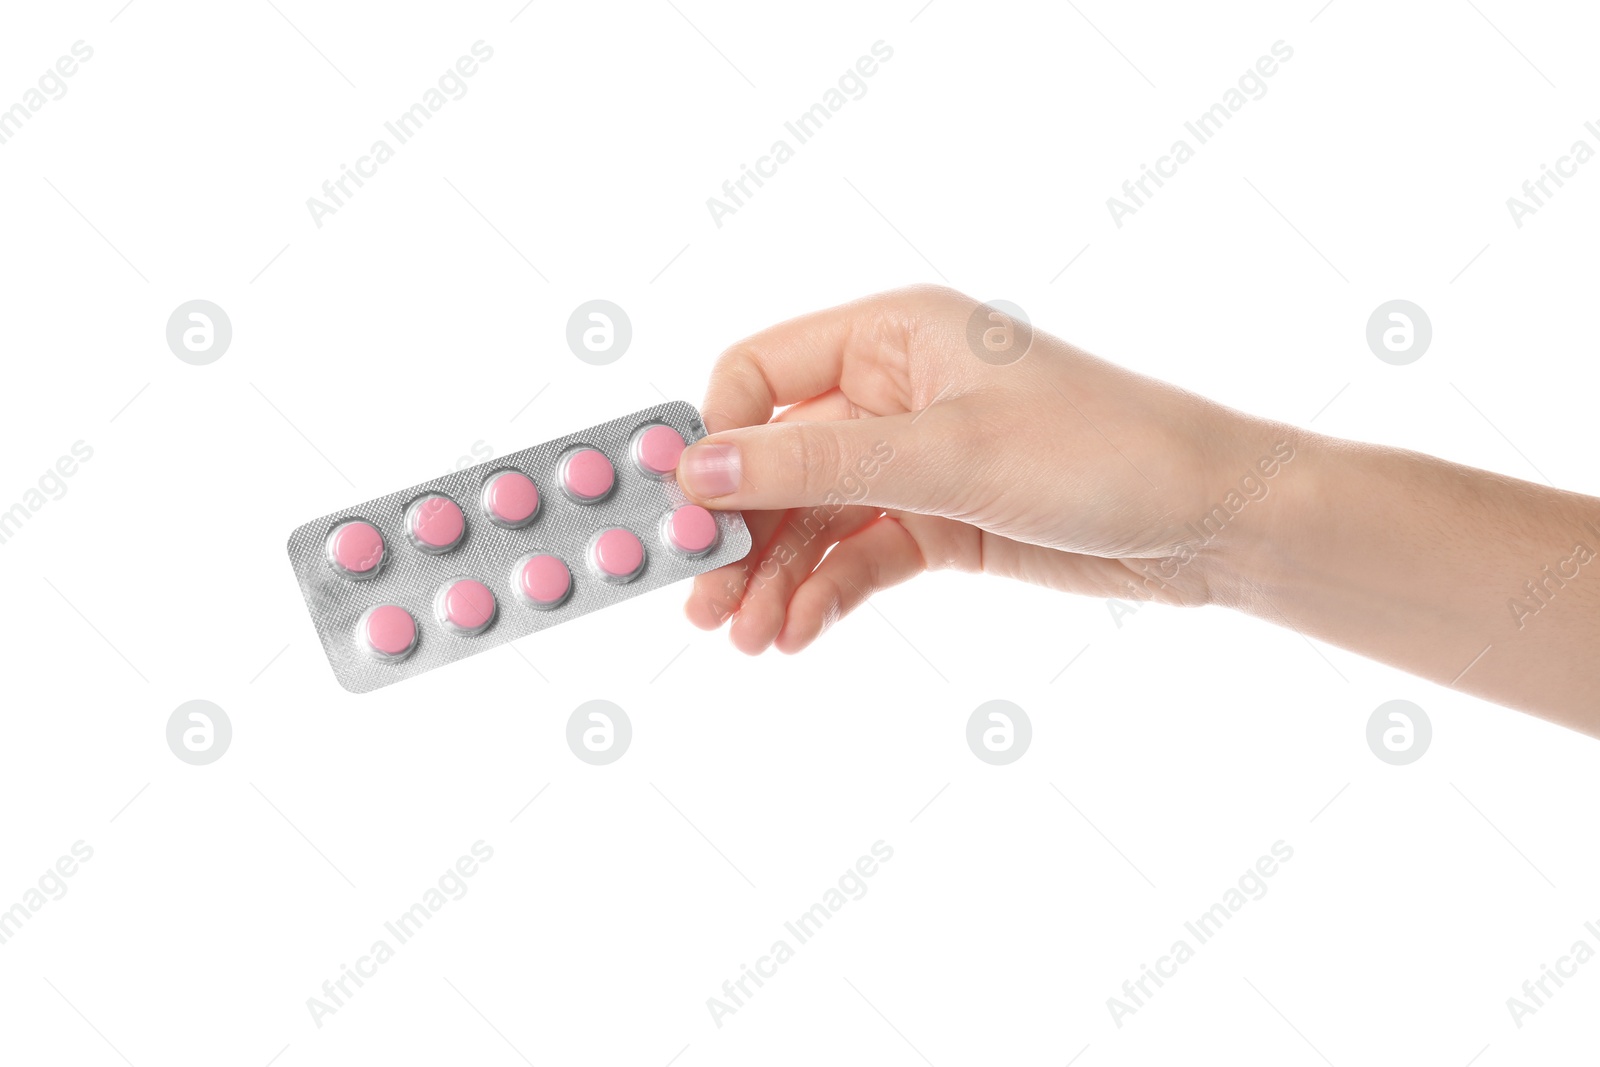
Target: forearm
[[1463, 577]]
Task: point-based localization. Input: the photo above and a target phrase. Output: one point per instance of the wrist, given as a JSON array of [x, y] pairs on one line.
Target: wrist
[[1267, 497]]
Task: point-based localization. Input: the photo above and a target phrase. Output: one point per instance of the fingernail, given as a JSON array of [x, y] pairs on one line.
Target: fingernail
[[710, 470]]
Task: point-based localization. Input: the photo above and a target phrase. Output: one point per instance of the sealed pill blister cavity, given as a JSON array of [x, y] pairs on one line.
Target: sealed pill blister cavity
[[416, 579]]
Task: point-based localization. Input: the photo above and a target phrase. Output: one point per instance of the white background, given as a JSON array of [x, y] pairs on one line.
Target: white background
[[420, 320]]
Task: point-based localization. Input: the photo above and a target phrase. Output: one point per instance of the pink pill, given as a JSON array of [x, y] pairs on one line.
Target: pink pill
[[435, 523], [617, 555], [657, 449], [465, 606], [389, 631], [691, 530], [587, 475], [355, 549], [511, 499], [543, 581]]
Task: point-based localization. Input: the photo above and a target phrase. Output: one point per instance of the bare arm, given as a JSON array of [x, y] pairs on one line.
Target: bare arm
[[871, 442], [1467, 578]]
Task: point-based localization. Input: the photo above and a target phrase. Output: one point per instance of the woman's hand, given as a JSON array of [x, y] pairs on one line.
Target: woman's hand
[[907, 443], [910, 444]]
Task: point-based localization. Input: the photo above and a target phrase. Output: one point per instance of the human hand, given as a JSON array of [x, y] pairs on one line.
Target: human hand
[[903, 451]]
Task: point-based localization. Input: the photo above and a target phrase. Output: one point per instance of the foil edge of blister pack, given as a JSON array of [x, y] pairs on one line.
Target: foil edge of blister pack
[[563, 528]]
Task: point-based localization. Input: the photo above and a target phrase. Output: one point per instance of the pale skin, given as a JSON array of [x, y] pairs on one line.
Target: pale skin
[[901, 451]]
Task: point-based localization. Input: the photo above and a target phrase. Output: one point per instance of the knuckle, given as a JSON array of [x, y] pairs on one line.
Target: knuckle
[[737, 387], [736, 362], [811, 458], [832, 607], [932, 293]]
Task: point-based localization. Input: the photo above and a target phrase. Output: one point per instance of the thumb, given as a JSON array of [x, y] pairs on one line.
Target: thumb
[[881, 462]]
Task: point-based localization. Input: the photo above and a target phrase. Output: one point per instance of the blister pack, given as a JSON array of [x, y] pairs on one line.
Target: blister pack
[[416, 579]]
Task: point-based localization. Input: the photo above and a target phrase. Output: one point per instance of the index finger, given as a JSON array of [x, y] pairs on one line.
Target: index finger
[[796, 360]]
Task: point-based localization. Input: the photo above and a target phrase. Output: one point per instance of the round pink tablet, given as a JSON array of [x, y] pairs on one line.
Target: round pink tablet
[[355, 549], [691, 530], [435, 523], [465, 606], [389, 631], [542, 581], [617, 555], [657, 450], [587, 475], [511, 499]]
